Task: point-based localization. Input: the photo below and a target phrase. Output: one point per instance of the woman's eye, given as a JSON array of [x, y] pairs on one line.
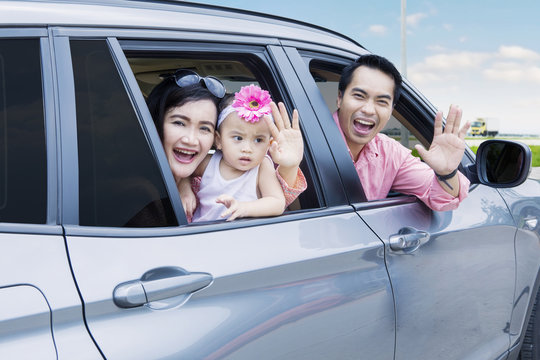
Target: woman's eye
[[179, 123], [206, 129]]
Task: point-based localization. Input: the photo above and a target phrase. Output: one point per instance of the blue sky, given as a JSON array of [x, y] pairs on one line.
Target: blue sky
[[481, 55]]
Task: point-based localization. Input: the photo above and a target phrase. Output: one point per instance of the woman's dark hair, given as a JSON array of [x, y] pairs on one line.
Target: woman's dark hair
[[167, 94], [374, 62]]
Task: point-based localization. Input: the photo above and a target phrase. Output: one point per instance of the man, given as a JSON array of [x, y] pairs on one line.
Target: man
[[368, 90]]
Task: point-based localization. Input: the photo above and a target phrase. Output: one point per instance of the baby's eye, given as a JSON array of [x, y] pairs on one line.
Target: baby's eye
[[237, 138], [259, 140]]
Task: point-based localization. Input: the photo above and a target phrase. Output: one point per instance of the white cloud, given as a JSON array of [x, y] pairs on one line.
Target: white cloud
[[529, 102], [518, 52], [448, 67], [378, 29], [423, 77], [463, 39], [451, 61], [448, 27], [414, 19], [504, 83], [513, 72], [436, 48]]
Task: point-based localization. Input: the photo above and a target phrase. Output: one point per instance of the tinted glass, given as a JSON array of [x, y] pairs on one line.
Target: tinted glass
[[119, 181], [23, 161], [501, 164]]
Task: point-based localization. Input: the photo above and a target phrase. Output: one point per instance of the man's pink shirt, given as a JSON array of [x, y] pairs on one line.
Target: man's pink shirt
[[384, 165]]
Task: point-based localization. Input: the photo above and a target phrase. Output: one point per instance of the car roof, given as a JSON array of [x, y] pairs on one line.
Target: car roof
[[167, 15]]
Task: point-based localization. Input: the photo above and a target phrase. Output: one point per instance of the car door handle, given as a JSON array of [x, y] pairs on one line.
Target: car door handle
[[407, 240], [159, 284]]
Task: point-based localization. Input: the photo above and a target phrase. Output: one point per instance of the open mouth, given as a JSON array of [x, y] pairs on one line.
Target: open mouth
[[183, 155], [363, 127]]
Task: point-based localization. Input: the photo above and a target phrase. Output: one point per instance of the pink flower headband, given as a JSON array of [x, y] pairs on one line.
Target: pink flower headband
[[251, 103]]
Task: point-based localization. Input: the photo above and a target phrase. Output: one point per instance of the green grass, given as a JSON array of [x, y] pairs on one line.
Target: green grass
[[535, 150]]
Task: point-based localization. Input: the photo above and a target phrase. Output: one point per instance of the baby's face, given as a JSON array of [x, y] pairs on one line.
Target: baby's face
[[242, 143]]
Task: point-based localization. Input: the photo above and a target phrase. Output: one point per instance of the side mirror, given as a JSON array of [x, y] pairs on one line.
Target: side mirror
[[500, 164]]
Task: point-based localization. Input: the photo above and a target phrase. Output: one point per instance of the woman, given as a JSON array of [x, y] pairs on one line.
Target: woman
[[184, 108]]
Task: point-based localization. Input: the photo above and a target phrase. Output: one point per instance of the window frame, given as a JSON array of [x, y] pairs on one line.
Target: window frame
[[412, 106], [118, 46], [339, 150], [50, 227], [268, 57]]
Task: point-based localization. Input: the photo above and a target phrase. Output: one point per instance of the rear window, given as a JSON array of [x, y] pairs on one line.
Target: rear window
[[119, 180], [23, 160]]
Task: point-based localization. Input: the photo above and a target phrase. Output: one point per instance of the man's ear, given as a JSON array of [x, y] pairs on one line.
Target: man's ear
[[217, 140], [338, 100]]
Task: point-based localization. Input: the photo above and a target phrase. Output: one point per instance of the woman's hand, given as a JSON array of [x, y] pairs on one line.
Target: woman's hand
[[189, 200]]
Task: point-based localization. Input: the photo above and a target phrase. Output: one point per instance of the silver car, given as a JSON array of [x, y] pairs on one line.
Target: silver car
[[335, 277]]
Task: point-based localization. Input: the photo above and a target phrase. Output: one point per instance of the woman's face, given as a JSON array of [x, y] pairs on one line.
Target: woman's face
[[188, 134]]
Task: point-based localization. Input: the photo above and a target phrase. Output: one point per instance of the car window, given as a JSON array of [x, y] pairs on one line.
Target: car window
[[234, 69], [23, 161], [120, 183]]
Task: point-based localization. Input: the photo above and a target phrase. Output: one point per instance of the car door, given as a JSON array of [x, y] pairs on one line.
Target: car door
[[311, 284], [454, 286], [41, 312]]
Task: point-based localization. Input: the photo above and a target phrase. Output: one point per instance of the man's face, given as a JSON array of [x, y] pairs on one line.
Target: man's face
[[365, 106]]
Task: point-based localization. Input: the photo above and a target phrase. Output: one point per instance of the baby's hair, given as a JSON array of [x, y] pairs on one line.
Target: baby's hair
[[227, 100]]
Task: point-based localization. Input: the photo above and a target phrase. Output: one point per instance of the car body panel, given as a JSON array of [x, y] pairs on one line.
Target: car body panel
[[524, 207], [25, 311], [317, 283], [46, 308], [450, 302], [279, 284], [137, 15]]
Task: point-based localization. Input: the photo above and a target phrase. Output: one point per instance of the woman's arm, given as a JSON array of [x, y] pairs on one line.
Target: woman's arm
[[185, 189]]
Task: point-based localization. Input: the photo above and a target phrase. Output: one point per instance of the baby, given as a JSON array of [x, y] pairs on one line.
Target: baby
[[239, 179]]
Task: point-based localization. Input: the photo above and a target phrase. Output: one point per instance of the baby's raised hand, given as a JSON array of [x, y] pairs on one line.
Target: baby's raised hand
[[287, 147]]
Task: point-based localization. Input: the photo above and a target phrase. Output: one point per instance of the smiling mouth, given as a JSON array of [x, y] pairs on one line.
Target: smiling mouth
[[363, 127], [183, 155]]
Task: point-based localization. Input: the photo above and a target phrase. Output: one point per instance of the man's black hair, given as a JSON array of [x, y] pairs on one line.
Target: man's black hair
[[374, 62]]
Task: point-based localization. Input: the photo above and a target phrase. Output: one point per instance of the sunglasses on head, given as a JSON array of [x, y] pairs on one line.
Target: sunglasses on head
[[185, 77]]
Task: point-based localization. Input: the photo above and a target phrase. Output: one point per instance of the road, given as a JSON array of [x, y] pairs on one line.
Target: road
[[528, 141], [535, 173]]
